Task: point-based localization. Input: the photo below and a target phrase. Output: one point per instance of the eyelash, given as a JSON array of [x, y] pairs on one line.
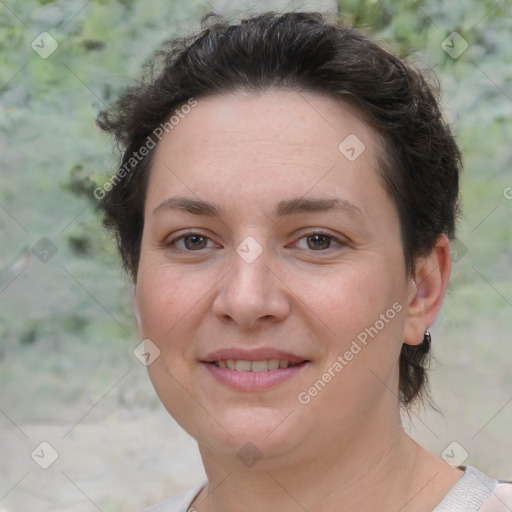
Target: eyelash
[[172, 243]]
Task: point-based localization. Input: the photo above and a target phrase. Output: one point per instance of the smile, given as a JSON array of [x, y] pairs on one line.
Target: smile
[[261, 375], [242, 365]]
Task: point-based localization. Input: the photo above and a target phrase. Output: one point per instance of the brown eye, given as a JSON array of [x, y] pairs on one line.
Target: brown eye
[[189, 242], [318, 242], [195, 242]]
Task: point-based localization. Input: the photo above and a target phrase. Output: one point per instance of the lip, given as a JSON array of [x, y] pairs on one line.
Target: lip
[[253, 381], [257, 354]]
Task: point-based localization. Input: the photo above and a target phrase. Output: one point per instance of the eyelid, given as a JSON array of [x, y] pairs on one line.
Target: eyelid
[[171, 242], [340, 240]]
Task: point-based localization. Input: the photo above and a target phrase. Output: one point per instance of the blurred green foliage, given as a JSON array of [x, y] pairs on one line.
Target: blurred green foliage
[[73, 313]]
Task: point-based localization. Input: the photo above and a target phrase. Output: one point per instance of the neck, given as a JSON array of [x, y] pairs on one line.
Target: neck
[[375, 466]]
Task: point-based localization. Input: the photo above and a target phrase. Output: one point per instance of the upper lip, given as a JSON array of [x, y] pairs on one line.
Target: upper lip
[[257, 354]]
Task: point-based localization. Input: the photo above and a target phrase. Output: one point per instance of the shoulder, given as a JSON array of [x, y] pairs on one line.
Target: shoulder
[[476, 491], [500, 499], [178, 503]]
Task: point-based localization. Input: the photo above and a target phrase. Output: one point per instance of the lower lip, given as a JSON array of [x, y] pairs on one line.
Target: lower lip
[[253, 381]]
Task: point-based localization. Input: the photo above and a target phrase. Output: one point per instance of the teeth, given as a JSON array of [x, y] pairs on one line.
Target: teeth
[[273, 364], [259, 366], [254, 366], [243, 366]]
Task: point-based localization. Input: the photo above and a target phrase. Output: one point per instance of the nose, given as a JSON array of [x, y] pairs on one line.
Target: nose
[[252, 295]]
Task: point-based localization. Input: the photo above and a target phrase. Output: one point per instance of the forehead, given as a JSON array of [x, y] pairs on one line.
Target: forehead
[[249, 146]]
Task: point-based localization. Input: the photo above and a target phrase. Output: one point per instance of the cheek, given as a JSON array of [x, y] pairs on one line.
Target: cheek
[[357, 304], [361, 346], [168, 302], [164, 297], [343, 298]]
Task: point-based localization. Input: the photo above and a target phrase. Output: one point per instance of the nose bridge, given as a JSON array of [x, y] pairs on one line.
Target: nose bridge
[[250, 261], [250, 279], [250, 291]]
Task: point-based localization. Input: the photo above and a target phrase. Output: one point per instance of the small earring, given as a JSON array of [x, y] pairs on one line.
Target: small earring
[[427, 338]]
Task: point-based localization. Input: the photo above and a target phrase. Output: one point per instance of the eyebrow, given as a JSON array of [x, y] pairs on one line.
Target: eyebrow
[[283, 208]]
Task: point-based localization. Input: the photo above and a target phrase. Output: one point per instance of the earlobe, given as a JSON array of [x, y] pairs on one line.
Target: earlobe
[[426, 291]]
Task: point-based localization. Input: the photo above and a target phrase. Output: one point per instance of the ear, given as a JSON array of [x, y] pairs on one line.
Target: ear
[[426, 290]]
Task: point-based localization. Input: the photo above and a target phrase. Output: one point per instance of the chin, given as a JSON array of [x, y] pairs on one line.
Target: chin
[[267, 432]]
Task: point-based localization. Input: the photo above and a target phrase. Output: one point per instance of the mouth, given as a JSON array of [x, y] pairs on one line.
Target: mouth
[[255, 370], [264, 365]]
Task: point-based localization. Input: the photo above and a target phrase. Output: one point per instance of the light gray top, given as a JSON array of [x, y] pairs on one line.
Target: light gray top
[[473, 492]]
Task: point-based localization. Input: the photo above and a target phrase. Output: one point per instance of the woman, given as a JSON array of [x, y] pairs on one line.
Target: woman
[[284, 206]]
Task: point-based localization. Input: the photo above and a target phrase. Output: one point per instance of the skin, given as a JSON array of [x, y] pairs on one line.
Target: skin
[[346, 449]]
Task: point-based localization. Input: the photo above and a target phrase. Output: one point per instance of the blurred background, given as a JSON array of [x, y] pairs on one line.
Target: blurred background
[[68, 375]]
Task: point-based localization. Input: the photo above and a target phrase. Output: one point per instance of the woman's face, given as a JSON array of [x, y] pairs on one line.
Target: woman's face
[[269, 237]]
